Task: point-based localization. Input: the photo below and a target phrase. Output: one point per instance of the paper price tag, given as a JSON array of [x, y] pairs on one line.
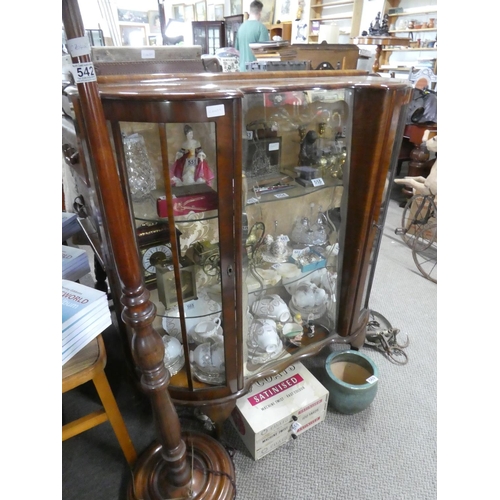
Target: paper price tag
[[78, 46], [84, 72], [249, 135], [281, 195], [318, 182], [274, 146], [296, 253], [217, 110], [147, 54], [372, 379], [296, 426]]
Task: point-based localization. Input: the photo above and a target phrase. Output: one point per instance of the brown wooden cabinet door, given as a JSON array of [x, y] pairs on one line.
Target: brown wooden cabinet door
[[209, 34]]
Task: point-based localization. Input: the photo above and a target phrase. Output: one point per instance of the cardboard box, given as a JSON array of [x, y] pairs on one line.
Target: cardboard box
[[186, 199], [313, 258], [278, 409]]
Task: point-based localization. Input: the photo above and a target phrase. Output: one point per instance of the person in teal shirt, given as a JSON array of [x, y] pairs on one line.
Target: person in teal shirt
[[251, 31]]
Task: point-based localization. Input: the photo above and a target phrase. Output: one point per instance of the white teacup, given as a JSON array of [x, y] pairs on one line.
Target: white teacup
[[264, 335], [173, 358], [208, 331], [173, 348], [271, 307], [208, 357]]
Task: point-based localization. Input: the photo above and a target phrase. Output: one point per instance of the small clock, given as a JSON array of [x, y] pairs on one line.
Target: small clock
[[155, 256], [155, 247]]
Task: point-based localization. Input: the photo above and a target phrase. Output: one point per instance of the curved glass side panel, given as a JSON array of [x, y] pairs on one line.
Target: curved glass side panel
[[171, 173], [295, 163]]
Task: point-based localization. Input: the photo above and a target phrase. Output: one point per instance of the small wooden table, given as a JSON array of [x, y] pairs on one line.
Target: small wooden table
[[380, 41]]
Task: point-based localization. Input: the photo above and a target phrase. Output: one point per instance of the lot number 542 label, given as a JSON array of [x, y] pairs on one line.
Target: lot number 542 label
[[84, 72]]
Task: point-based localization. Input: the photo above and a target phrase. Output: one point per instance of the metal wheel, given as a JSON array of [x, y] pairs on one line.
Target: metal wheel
[[212, 265], [398, 356], [420, 211], [424, 251]]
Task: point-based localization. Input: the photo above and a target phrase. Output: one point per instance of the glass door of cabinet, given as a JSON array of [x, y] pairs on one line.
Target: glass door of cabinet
[[184, 228], [295, 165]]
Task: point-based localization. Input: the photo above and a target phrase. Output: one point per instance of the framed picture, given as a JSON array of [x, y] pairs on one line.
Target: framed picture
[[178, 11], [267, 16], [133, 36], [132, 16], [236, 7], [262, 157], [299, 32], [154, 21], [286, 10], [219, 12], [201, 13]]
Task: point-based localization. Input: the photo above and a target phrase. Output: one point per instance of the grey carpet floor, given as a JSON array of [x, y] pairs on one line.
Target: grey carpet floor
[[386, 452]]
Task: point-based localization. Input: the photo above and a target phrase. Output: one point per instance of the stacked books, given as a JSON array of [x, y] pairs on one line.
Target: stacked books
[[85, 314], [70, 225], [274, 51], [75, 263]]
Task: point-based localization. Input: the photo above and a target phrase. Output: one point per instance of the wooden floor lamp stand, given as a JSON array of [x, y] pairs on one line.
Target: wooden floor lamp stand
[[208, 479], [190, 465]]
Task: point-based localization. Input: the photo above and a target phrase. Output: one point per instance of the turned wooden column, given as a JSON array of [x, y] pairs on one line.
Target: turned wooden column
[[164, 471]]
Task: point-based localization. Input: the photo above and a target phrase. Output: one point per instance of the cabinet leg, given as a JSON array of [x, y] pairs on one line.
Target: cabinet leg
[[219, 413]]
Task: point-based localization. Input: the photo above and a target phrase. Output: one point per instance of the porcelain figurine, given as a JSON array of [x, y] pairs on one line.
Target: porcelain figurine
[[309, 152], [190, 165]]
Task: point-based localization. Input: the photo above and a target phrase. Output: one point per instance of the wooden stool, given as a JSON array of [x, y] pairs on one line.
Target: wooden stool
[[88, 364]]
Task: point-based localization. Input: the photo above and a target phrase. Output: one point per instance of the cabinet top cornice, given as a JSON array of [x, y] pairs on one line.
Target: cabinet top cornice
[[216, 85]]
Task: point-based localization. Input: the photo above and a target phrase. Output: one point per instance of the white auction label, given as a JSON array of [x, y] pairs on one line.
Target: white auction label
[[372, 379], [147, 54], [251, 201], [281, 195], [274, 146], [84, 72], [78, 46], [296, 426], [318, 182], [298, 252], [217, 110]]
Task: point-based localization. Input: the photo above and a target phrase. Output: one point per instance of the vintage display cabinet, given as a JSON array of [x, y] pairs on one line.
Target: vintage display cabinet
[[255, 203]]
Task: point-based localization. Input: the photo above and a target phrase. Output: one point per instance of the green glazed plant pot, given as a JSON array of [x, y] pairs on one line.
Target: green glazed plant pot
[[352, 381]]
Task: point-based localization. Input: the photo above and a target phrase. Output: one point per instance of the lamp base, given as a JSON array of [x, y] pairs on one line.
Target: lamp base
[[213, 475]]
